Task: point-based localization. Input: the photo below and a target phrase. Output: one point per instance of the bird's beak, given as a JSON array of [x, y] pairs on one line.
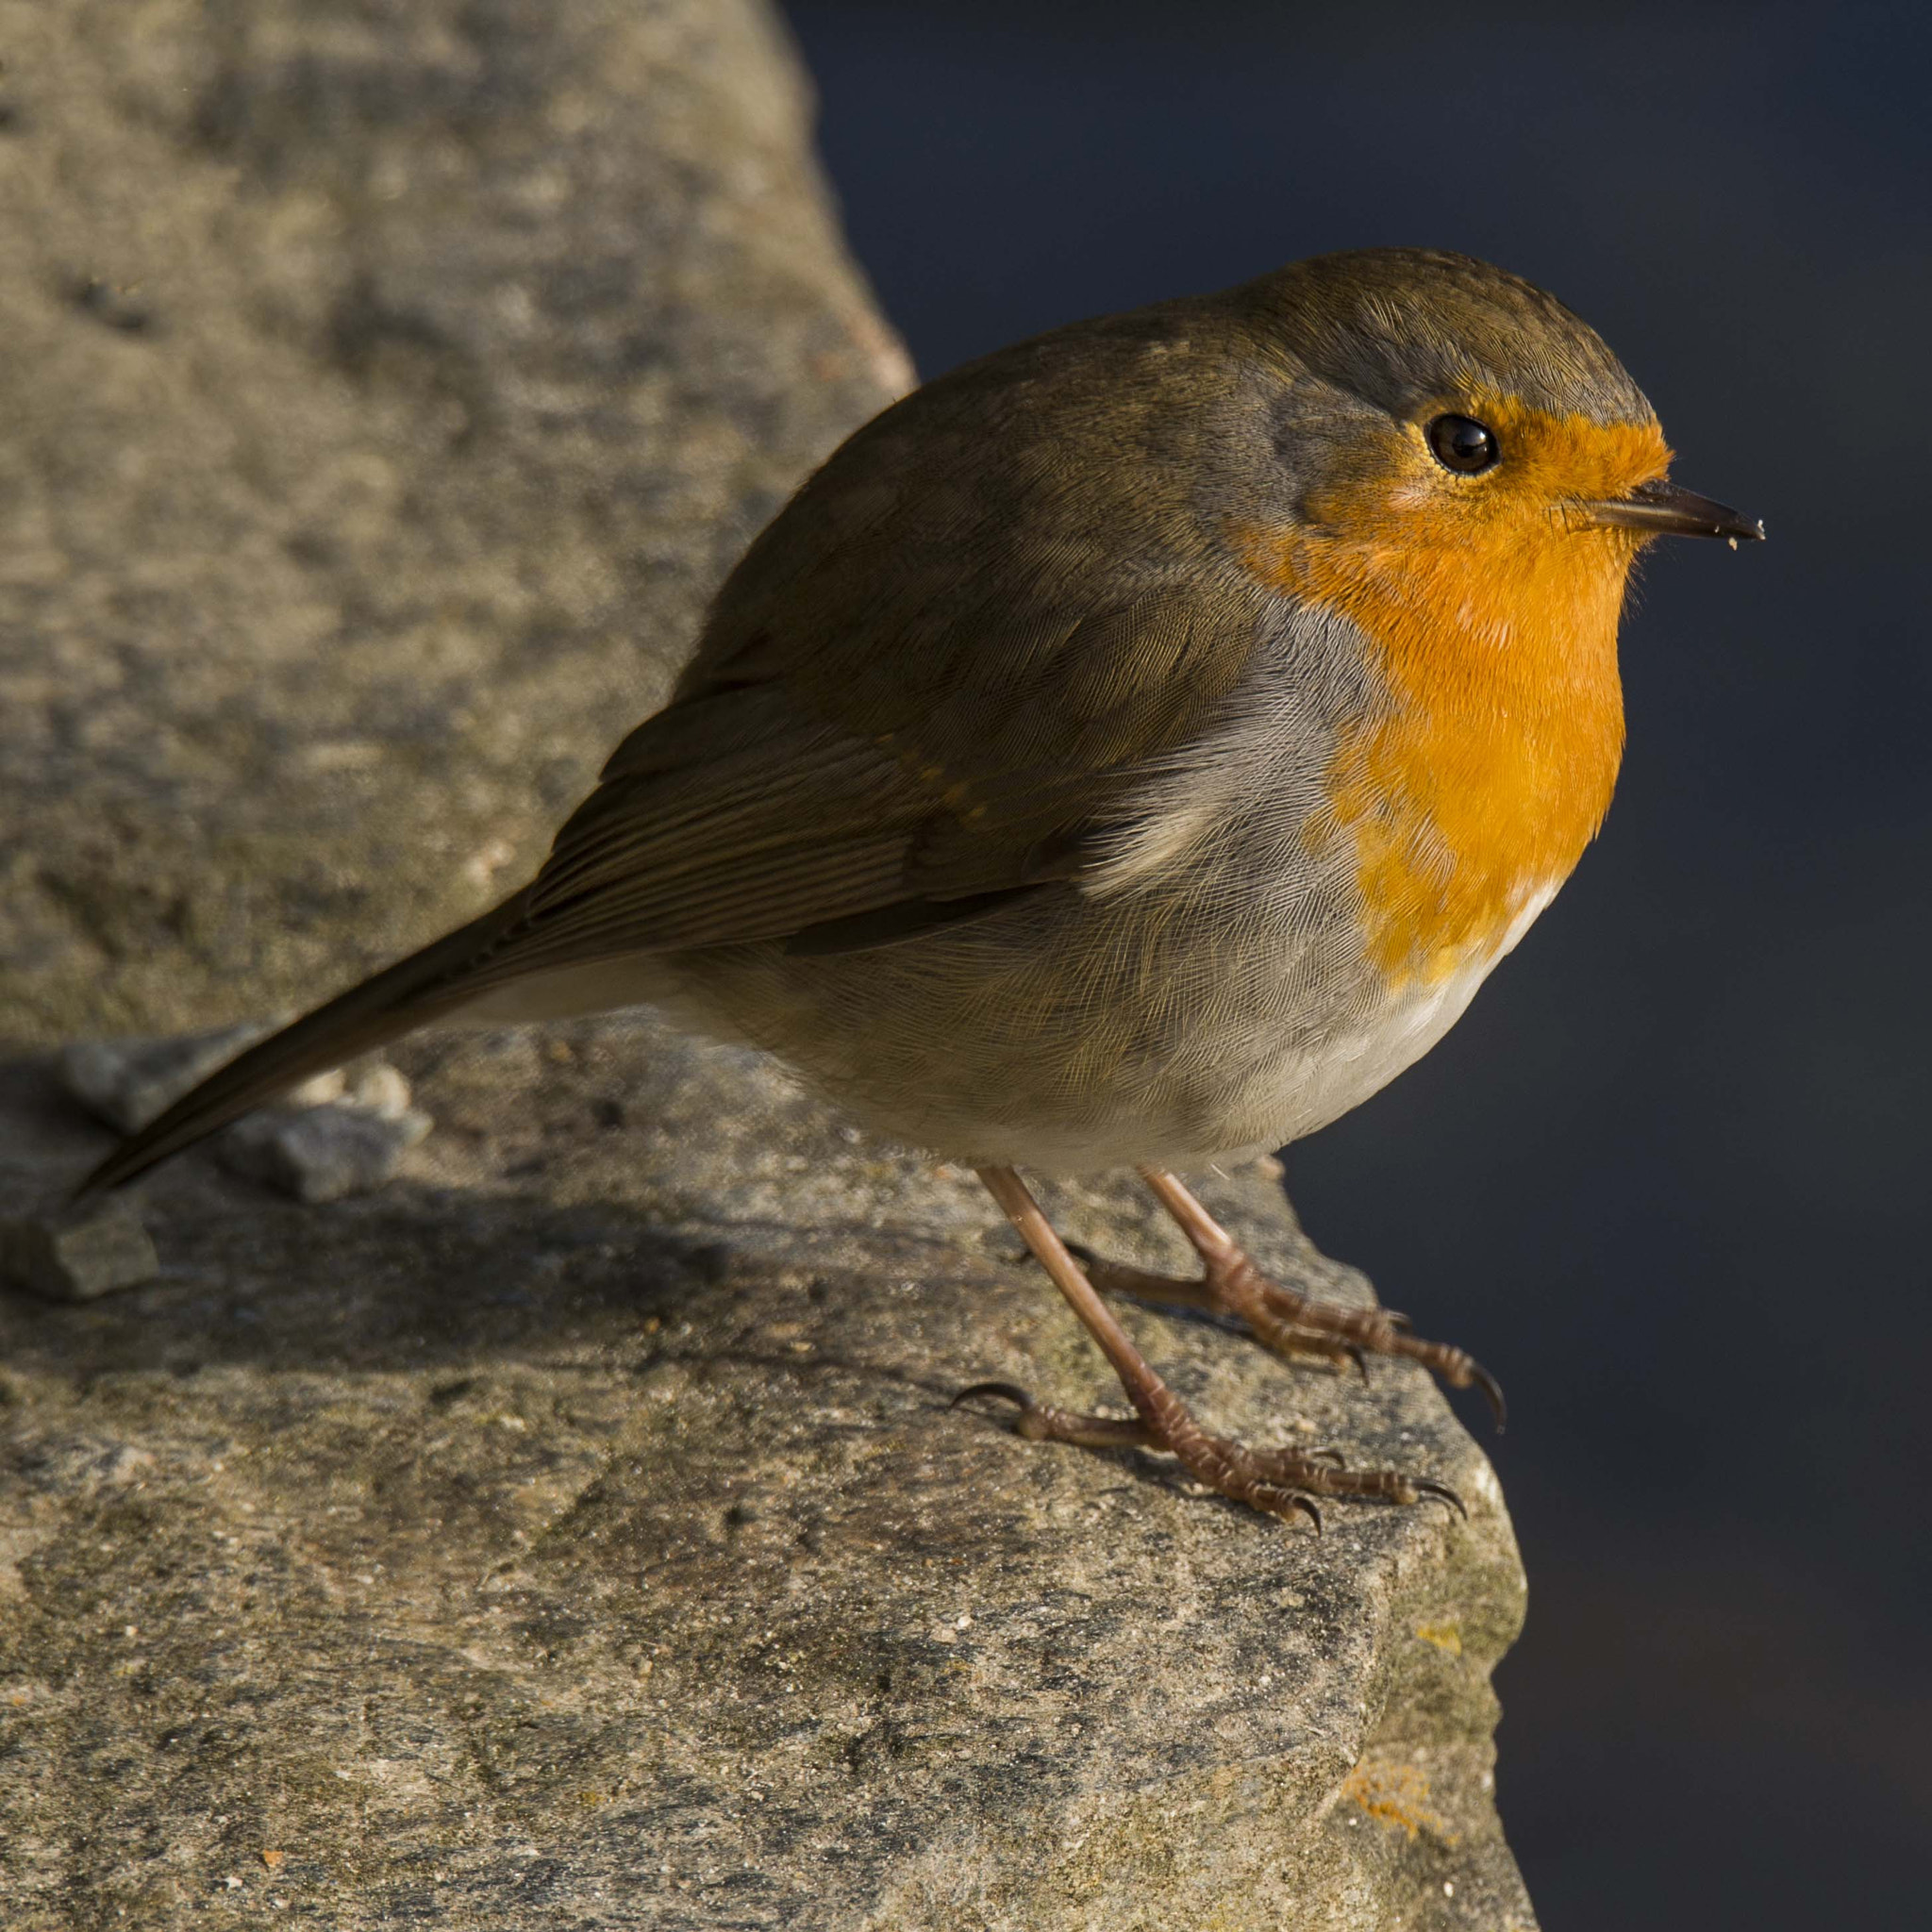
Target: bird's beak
[[1664, 510]]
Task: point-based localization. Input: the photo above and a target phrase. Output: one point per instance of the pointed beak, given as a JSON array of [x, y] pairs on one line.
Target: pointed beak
[[1664, 510]]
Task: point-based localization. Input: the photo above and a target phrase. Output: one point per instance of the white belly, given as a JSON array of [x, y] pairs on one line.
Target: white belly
[[1072, 1040]]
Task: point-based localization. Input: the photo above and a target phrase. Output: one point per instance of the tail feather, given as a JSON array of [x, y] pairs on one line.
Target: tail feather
[[426, 986]]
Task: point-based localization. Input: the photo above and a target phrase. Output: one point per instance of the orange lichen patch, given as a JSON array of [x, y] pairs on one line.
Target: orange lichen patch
[[1444, 1636], [1494, 610], [1395, 1793]]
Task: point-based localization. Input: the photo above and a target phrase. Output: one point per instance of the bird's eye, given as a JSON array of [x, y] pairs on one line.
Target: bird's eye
[[1463, 445]]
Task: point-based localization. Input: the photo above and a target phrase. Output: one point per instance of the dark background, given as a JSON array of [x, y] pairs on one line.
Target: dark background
[[1668, 1178]]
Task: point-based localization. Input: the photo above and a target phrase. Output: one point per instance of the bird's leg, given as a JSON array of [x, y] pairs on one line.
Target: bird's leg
[[1279, 1481], [1282, 1320]]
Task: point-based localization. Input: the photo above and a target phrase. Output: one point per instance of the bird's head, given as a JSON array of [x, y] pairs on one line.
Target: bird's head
[[1456, 454], [1460, 469]]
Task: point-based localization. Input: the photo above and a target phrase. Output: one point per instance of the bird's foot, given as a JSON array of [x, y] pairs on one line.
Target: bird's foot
[[1281, 1319], [1280, 1482], [1211, 1296], [1290, 1324]]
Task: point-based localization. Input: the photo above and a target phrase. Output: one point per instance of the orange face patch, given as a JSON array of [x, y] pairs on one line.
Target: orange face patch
[[1495, 617]]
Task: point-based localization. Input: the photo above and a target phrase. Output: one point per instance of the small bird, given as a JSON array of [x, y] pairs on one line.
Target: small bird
[[1133, 747]]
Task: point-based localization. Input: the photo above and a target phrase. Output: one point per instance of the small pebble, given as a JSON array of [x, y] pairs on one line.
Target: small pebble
[[337, 1133], [373, 1086], [320, 1152], [127, 1082], [318, 1090], [77, 1254], [377, 1087]]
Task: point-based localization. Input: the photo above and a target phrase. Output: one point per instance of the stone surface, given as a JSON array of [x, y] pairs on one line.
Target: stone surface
[[371, 1085], [576, 1533], [336, 1134], [127, 1082], [324, 1152], [384, 389], [77, 1254], [579, 1528]]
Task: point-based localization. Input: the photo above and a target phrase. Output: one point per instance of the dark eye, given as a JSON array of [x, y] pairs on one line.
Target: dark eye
[[1463, 445]]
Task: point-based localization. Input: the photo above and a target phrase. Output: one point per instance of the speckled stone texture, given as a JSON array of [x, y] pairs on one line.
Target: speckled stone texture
[[384, 389], [573, 1534]]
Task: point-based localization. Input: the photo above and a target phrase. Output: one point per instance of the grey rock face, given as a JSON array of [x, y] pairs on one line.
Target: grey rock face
[[384, 392], [579, 1528], [573, 1533], [320, 1152], [338, 1133], [77, 1254], [127, 1082]]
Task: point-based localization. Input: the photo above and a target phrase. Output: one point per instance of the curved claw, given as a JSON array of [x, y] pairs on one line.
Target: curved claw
[[1007, 1391], [1493, 1393], [1429, 1486], [1306, 1506]]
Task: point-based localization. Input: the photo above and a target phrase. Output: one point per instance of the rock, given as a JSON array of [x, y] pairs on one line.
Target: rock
[[320, 1152], [576, 1532], [581, 1522], [369, 1083], [318, 1090], [127, 1082], [383, 394], [338, 1133], [373, 1086], [77, 1254]]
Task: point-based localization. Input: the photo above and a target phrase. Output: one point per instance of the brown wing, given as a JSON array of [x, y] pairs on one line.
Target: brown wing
[[936, 678], [735, 815]]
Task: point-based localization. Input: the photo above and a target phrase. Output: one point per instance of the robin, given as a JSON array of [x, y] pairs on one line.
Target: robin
[[1134, 746]]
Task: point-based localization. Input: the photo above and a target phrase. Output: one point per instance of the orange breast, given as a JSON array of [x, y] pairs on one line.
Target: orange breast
[[1471, 793]]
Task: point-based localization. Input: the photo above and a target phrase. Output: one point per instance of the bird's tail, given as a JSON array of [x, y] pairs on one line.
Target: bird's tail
[[426, 986]]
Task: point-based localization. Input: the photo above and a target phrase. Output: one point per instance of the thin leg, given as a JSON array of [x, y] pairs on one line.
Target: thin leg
[[1279, 1481], [1281, 1319]]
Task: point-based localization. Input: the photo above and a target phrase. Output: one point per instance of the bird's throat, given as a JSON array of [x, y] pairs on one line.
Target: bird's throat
[[1471, 781]]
